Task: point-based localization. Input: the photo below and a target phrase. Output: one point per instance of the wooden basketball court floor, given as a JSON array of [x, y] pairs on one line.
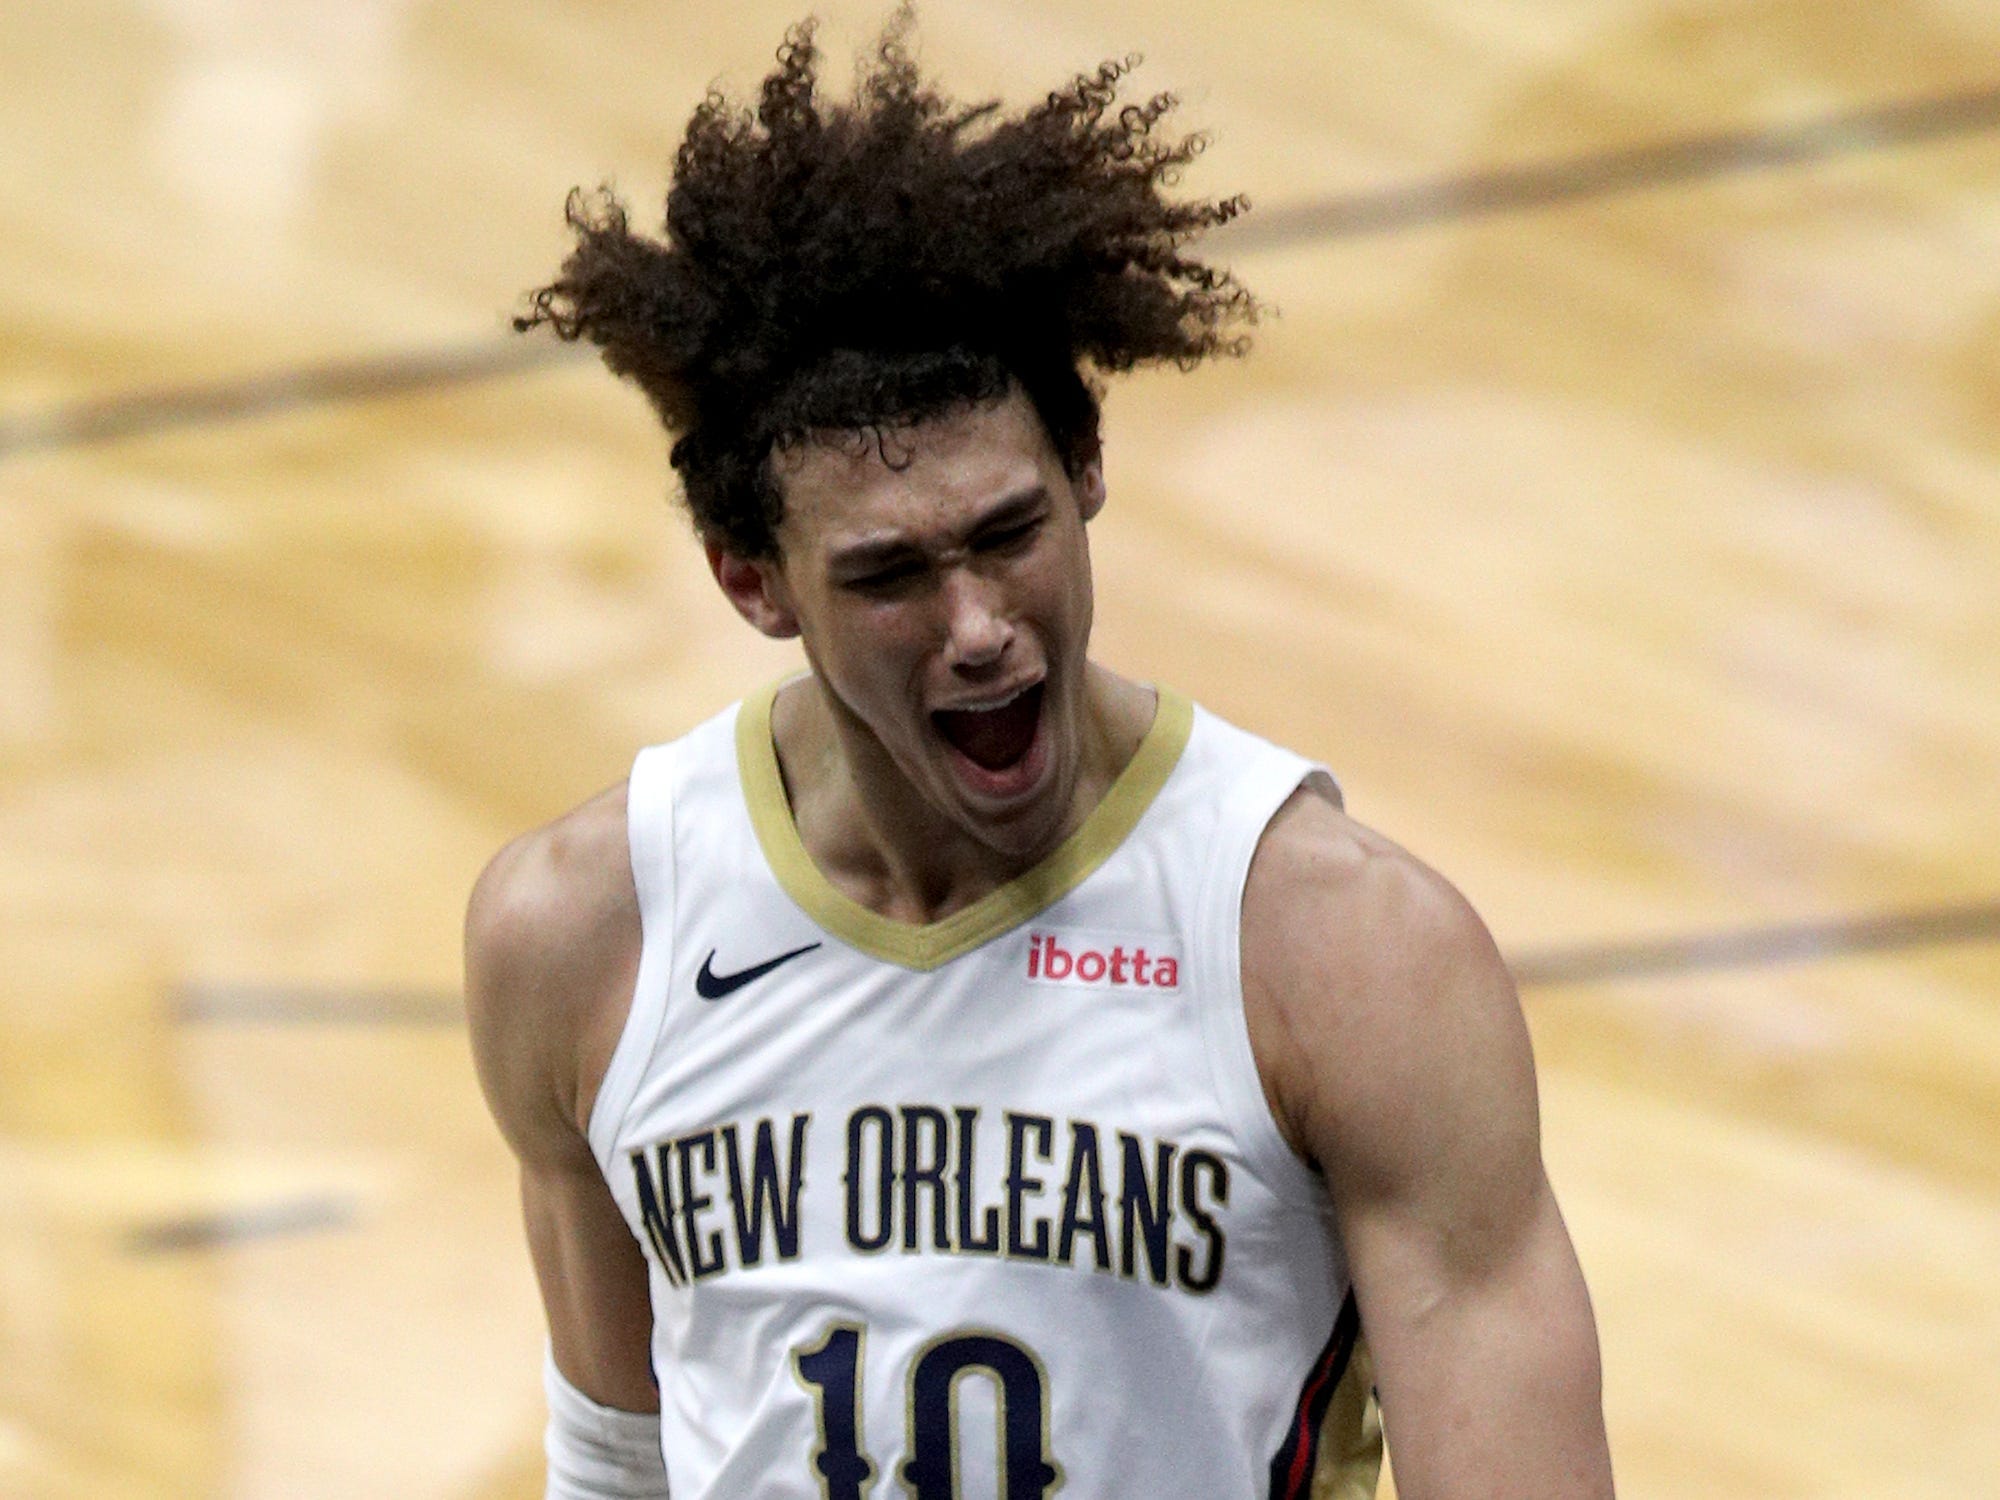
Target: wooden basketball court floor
[[1615, 504]]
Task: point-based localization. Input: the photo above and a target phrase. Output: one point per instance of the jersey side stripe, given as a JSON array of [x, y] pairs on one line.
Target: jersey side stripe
[[1292, 1465], [1349, 1466]]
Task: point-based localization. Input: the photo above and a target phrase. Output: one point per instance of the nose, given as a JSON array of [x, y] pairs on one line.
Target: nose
[[977, 630]]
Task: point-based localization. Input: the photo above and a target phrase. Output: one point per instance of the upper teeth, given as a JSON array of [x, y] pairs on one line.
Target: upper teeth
[[988, 707]]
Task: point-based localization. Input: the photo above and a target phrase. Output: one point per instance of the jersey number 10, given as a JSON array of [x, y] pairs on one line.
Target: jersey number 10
[[831, 1370]]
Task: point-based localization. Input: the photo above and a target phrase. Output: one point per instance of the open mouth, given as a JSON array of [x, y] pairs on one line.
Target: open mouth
[[996, 738]]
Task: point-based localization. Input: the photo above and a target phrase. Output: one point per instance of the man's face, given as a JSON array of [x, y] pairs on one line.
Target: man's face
[[945, 606]]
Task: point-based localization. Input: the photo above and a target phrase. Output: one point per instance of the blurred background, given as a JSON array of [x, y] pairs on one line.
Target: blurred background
[[1614, 502]]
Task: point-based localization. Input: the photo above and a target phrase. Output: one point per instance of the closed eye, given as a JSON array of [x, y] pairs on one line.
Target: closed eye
[[887, 580], [1007, 538]]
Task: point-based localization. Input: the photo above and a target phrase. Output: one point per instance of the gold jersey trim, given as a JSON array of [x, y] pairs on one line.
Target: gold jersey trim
[[929, 945]]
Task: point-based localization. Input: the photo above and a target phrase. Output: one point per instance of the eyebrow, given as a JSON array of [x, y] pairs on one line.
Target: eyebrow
[[866, 557]]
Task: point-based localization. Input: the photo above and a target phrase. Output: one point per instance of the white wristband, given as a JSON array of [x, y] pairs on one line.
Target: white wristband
[[598, 1452]]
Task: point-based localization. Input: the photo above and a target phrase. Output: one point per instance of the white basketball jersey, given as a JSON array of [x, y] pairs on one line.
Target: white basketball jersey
[[993, 1207]]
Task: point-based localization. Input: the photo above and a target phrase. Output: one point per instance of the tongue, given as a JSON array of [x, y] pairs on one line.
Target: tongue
[[994, 738]]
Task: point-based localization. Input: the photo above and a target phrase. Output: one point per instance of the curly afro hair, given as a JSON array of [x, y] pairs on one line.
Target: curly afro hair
[[839, 268]]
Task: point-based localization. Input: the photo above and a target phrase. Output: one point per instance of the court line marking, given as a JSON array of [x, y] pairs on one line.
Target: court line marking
[[1582, 963], [1757, 947], [1445, 199], [1603, 174], [214, 1230], [252, 1004], [109, 418]]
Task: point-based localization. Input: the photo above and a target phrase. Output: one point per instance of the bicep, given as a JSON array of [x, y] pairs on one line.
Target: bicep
[[593, 1282], [1486, 1355], [1475, 1306]]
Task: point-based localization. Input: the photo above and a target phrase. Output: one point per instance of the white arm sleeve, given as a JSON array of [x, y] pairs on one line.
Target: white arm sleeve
[[598, 1452]]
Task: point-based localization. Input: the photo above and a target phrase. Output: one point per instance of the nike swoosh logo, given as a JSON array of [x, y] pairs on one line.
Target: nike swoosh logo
[[713, 986]]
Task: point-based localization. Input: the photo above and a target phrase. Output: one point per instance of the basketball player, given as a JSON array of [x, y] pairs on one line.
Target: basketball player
[[960, 1070]]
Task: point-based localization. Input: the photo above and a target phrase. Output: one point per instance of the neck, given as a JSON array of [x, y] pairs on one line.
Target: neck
[[881, 844]]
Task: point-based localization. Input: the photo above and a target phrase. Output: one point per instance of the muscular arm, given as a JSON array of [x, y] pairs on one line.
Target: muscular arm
[[1396, 1057], [551, 950]]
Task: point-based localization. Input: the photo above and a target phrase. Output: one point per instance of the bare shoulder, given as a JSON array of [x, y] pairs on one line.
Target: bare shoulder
[[1374, 993], [1330, 893], [551, 951], [557, 893]]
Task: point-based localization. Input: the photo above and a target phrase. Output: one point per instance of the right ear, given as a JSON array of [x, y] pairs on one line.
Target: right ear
[[757, 589]]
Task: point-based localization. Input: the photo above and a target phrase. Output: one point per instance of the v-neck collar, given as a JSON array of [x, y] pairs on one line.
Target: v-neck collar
[[928, 945]]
